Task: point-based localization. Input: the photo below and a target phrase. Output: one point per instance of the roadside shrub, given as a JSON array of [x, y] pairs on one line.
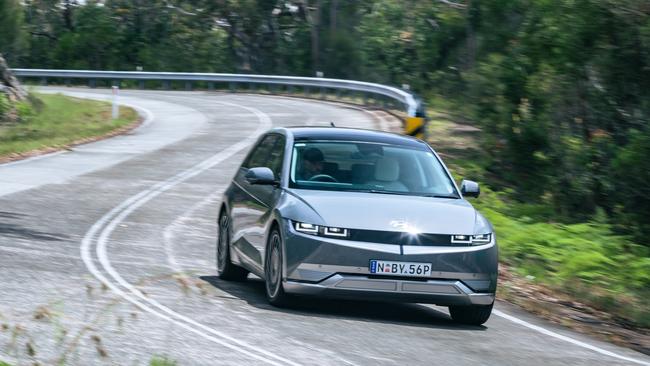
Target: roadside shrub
[[587, 260], [632, 173], [25, 110], [4, 106]]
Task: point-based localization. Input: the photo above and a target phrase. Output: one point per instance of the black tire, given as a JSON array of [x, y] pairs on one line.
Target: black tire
[[225, 268], [471, 315], [273, 265]]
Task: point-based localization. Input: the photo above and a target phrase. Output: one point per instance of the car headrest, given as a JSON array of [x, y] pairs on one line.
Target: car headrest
[[387, 170]]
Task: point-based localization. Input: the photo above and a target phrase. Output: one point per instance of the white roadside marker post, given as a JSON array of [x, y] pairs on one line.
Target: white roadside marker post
[[116, 107]]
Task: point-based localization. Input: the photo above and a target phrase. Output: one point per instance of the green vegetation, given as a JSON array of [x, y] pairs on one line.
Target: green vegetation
[[587, 261], [161, 361], [56, 121], [560, 90]]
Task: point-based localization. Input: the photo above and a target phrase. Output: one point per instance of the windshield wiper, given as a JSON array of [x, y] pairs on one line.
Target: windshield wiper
[[404, 193], [451, 196]]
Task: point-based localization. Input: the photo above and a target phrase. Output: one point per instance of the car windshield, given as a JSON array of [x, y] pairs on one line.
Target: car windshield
[[369, 167]]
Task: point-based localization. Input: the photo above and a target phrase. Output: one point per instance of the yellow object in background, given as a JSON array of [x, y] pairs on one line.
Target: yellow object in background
[[414, 127]]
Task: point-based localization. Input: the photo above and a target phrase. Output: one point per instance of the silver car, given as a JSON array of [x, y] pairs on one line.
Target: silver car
[[357, 214]]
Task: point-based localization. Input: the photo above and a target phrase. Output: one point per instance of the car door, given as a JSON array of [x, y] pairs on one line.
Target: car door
[[253, 204]]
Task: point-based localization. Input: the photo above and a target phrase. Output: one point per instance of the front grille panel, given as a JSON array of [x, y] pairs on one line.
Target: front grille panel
[[402, 238]]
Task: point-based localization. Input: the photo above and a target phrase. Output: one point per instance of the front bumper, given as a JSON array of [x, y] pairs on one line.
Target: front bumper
[[441, 292], [330, 267]]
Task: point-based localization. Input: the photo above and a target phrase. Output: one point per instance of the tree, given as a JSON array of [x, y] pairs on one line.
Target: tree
[[12, 35], [11, 44]]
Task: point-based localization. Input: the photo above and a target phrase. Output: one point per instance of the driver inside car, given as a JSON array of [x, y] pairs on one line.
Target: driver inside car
[[312, 163]]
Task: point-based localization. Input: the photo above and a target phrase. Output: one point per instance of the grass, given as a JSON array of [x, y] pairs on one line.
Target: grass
[[161, 361], [586, 261], [58, 121]]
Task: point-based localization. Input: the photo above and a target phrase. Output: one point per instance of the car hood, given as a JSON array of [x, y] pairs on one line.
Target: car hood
[[387, 212]]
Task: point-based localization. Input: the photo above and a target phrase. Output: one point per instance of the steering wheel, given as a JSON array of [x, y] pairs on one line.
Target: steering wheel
[[323, 178]]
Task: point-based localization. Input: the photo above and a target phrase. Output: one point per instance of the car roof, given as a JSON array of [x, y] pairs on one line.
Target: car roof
[[351, 134]]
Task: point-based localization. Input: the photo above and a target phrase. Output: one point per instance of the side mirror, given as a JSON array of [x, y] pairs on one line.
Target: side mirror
[[260, 175], [469, 188]]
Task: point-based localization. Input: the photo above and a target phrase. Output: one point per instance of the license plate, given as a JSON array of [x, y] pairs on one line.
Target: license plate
[[400, 268]]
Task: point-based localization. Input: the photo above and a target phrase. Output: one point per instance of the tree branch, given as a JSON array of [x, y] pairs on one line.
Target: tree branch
[[43, 34]]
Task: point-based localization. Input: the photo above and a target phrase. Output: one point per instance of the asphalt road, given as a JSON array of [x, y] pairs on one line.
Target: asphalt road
[[107, 257]]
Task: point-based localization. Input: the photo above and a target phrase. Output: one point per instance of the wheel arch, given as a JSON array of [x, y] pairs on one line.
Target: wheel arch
[[276, 223]]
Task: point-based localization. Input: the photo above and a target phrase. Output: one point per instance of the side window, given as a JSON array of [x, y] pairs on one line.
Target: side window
[[260, 154], [277, 156]]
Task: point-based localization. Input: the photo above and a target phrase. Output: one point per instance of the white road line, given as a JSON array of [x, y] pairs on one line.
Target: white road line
[[375, 118], [88, 261], [565, 338], [384, 125], [168, 232], [105, 225], [119, 213]]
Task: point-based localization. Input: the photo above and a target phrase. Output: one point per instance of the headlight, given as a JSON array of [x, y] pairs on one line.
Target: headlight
[[320, 230], [481, 239], [472, 239], [306, 228]]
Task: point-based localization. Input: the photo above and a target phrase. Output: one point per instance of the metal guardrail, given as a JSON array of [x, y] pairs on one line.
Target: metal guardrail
[[409, 103]]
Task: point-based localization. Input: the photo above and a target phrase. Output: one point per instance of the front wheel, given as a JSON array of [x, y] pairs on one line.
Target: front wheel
[[273, 271], [471, 315], [225, 268]]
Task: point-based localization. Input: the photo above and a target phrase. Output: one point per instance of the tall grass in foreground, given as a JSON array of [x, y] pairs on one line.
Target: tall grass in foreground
[[161, 361]]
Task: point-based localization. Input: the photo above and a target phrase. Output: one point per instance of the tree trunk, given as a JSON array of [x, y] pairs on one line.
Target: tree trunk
[[334, 8], [471, 37], [315, 37], [9, 84]]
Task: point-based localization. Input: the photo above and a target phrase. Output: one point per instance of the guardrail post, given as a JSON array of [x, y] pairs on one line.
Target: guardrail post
[[166, 84], [307, 91], [141, 84], [322, 93], [67, 82], [210, 85], [290, 89], [92, 83], [364, 96], [232, 87], [338, 93], [188, 85], [115, 110], [43, 81]]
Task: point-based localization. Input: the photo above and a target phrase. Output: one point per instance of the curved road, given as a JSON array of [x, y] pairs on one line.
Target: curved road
[[107, 257]]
